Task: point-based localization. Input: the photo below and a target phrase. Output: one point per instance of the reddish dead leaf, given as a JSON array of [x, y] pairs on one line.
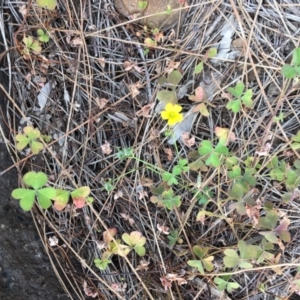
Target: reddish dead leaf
[[128, 65], [143, 265], [159, 36], [109, 234], [142, 194], [169, 153], [88, 291], [144, 111], [199, 95], [165, 283], [126, 217], [79, 202], [134, 88], [106, 149], [253, 212], [188, 139], [163, 229], [119, 287]]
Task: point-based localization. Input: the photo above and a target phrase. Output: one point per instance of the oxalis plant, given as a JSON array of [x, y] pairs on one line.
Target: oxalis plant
[[35, 189]]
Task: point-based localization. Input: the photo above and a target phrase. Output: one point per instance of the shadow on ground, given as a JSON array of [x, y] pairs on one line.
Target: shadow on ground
[[25, 270]]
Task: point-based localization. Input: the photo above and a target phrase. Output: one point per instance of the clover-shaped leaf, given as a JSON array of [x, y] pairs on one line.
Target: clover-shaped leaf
[[32, 44], [169, 178], [136, 241], [224, 283], [29, 138], [205, 261], [205, 148], [80, 195], [169, 200], [26, 196], [43, 36], [101, 263]]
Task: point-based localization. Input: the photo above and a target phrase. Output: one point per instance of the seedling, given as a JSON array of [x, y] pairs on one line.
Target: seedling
[[174, 237], [239, 97], [292, 70], [43, 36], [170, 178], [224, 283], [212, 52], [213, 154], [27, 196], [31, 44], [102, 264], [125, 153], [205, 261], [135, 241], [30, 138], [142, 4]]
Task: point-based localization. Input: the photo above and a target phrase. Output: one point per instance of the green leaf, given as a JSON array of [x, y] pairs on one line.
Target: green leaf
[[237, 191], [196, 264], [296, 57], [141, 251], [200, 251], [212, 52], [270, 220], [44, 195], [27, 201], [247, 251], [245, 265], [247, 98], [36, 147], [232, 286], [213, 160], [173, 237], [199, 68], [35, 180], [234, 105], [174, 78], [20, 193], [288, 71], [235, 173], [22, 141], [269, 236], [169, 200], [43, 36], [205, 147], [166, 96], [198, 165], [221, 149], [231, 258], [48, 4], [136, 241], [169, 178], [277, 174], [237, 91], [221, 283]]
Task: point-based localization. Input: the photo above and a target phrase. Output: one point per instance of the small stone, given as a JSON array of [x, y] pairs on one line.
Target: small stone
[[163, 12]]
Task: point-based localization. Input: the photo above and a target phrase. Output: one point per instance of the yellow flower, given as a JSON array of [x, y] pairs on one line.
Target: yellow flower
[[172, 114]]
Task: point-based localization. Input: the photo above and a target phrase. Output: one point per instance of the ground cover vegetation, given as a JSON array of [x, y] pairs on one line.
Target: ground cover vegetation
[[160, 164]]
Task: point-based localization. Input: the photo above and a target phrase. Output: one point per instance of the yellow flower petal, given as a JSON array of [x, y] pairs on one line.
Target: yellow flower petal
[[165, 115], [177, 108], [169, 107]]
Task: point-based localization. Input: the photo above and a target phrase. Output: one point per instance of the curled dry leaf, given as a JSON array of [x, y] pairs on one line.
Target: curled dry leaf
[[253, 212], [143, 265], [109, 234], [23, 10], [88, 291], [175, 277], [169, 153], [163, 229], [126, 217], [147, 182], [171, 65], [128, 65], [53, 241], [144, 111], [101, 102], [106, 149], [77, 41], [134, 88], [165, 283], [188, 139], [142, 194], [101, 61], [119, 287]]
